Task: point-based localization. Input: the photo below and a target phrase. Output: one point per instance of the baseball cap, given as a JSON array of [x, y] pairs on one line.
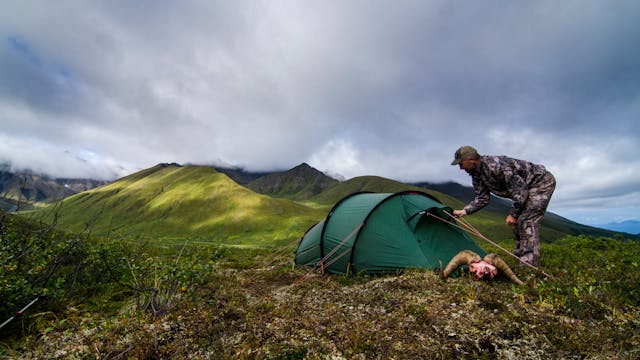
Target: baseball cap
[[465, 153]]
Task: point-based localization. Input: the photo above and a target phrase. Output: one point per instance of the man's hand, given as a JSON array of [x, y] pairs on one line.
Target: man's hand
[[511, 220], [459, 213]]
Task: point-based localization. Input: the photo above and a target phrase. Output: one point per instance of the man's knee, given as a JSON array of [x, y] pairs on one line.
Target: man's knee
[[530, 218], [527, 229]]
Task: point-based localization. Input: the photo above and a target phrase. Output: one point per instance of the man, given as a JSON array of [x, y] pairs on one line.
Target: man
[[529, 185]]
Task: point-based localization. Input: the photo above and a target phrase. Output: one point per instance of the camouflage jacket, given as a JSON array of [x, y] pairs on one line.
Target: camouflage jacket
[[505, 177]]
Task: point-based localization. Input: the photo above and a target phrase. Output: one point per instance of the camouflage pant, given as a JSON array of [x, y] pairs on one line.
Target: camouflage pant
[[526, 230]]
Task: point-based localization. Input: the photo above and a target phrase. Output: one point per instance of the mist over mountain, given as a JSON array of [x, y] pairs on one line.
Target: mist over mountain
[[240, 175]]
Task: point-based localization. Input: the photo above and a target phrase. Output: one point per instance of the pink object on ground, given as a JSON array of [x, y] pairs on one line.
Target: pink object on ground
[[482, 268]]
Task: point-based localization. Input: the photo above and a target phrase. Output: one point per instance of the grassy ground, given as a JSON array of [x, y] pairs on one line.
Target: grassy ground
[[238, 303]]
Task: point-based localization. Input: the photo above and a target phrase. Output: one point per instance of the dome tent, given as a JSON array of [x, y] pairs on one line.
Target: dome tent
[[377, 232]]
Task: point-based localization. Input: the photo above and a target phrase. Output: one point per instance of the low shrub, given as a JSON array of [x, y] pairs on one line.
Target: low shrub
[[591, 274], [39, 262]]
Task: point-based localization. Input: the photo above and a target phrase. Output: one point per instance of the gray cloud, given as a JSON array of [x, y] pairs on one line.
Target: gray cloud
[[358, 87]]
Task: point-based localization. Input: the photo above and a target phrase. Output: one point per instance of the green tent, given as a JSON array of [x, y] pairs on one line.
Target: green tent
[[374, 232]]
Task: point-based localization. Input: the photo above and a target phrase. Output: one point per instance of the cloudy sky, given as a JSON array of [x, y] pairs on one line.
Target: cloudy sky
[[390, 88]]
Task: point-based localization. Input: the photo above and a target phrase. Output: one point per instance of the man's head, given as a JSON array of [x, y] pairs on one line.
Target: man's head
[[465, 153], [467, 158]]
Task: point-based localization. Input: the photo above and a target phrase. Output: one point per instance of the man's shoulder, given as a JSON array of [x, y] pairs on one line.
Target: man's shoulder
[[495, 160], [492, 165], [501, 162], [490, 157]]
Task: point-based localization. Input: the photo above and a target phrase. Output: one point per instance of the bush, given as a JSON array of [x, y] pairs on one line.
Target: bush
[[39, 261], [159, 283]]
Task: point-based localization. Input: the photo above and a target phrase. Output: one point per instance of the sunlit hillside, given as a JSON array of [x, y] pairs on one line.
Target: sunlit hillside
[[169, 201]]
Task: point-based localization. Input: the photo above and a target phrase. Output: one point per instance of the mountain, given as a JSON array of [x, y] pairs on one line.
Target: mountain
[[24, 190], [629, 226], [370, 184], [169, 202], [300, 183], [239, 175]]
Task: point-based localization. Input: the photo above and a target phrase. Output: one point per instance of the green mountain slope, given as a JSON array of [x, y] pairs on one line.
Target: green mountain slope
[[169, 201], [373, 184], [300, 183]]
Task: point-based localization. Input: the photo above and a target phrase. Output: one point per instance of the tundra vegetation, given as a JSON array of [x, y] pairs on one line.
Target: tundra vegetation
[[118, 298], [182, 262]]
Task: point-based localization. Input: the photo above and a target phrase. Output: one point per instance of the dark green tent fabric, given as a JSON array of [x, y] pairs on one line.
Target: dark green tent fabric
[[375, 232]]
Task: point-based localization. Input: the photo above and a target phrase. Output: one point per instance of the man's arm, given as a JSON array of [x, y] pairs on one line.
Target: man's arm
[[483, 195]]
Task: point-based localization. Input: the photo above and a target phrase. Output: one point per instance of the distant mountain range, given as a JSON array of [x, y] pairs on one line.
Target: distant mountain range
[[24, 190], [170, 199], [629, 226]]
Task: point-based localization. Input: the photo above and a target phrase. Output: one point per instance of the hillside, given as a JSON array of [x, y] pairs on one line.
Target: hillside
[[300, 183], [304, 183], [373, 184], [169, 201]]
